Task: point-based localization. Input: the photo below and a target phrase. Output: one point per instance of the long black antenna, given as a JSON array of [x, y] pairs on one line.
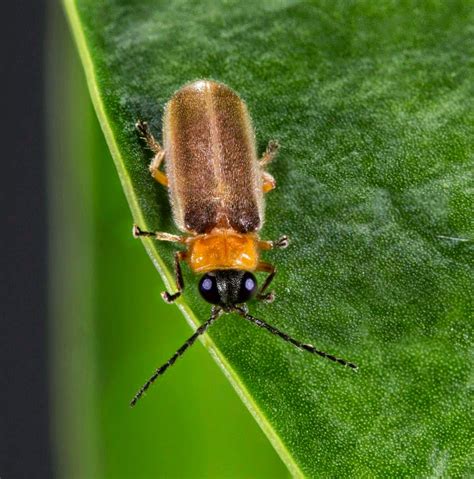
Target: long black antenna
[[161, 370], [307, 347]]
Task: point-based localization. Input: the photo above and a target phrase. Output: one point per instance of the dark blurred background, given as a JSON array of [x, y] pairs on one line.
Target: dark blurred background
[[24, 413]]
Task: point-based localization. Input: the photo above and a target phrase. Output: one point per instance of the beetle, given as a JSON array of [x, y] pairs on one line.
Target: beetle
[[216, 186]]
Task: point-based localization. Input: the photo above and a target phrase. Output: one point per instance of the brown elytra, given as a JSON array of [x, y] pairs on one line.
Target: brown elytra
[[214, 177]]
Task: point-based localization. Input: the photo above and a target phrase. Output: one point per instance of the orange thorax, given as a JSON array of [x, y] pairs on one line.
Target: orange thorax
[[223, 249]]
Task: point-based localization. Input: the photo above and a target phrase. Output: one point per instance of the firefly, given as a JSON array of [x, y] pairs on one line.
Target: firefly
[[216, 185]]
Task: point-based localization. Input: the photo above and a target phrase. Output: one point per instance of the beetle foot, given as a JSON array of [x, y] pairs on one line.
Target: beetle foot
[[267, 298], [282, 242], [170, 298]]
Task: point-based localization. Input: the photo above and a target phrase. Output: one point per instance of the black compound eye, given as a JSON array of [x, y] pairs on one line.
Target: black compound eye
[[208, 289], [248, 287]]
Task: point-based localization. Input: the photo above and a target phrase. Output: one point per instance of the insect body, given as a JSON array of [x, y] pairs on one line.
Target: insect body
[[216, 185]]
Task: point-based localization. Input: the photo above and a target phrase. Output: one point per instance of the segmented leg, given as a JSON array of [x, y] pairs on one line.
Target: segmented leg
[[271, 270], [280, 243], [269, 182], [178, 257], [162, 369], [155, 147], [306, 347], [168, 297], [158, 235], [262, 266], [270, 153]]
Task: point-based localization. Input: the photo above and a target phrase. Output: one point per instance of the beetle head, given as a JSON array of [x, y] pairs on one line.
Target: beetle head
[[228, 287]]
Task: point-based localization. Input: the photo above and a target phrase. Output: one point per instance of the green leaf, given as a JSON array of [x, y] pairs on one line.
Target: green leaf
[[372, 103]]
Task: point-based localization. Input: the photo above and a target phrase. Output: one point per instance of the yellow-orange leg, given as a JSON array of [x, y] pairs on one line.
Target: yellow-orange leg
[[280, 243], [178, 275], [270, 153], [158, 235], [156, 148], [269, 182], [264, 267], [178, 257]]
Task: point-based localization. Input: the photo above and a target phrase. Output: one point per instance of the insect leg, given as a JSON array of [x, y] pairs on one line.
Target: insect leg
[[280, 243], [161, 370], [306, 347], [178, 257], [156, 148], [269, 182], [271, 270], [270, 153], [170, 298], [158, 235]]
